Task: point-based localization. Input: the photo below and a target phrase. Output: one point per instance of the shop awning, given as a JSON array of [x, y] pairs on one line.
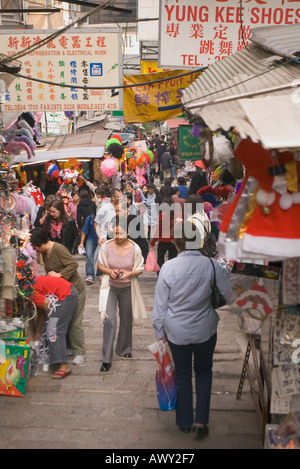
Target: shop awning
[[221, 95], [175, 123], [281, 40], [83, 145]]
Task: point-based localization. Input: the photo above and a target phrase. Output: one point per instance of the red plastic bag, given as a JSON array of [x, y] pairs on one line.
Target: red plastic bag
[[151, 263], [165, 377]]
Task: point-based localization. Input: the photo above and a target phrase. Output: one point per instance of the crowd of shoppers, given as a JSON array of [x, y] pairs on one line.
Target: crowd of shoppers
[[115, 228]]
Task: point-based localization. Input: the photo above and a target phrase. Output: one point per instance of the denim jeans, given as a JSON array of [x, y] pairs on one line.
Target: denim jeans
[[203, 361], [90, 248]]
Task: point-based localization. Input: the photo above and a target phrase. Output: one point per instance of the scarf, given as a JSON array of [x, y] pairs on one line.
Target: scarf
[[55, 230]]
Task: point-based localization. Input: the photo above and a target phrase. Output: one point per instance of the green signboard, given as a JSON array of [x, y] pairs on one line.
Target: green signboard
[[189, 146]]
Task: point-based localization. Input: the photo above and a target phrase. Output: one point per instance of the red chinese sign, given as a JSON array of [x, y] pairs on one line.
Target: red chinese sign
[[196, 33]]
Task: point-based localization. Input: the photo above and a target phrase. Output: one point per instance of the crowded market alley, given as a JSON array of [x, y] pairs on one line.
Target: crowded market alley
[[120, 410], [150, 226]]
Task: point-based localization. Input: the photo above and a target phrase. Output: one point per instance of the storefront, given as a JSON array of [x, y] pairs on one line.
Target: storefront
[[254, 93]]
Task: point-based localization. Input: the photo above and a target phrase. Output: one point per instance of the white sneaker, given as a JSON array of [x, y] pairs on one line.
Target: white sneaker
[[89, 281], [78, 360]]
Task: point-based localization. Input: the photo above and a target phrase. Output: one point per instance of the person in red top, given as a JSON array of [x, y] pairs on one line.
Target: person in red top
[[163, 232], [57, 298]]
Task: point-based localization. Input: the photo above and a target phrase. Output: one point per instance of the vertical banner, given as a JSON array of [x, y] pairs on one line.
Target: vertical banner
[[189, 146], [76, 58], [196, 33], [149, 101]]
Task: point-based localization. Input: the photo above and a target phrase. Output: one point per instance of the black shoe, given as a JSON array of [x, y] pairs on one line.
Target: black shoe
[[127, 355], [105, 367], [185, 430], [201, 432]]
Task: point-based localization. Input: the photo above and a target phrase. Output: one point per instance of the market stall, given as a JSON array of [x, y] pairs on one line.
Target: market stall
[[253, 94]]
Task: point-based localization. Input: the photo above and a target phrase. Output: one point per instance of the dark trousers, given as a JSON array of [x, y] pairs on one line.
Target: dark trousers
[[57, 327], [183, 361], [162, 249]]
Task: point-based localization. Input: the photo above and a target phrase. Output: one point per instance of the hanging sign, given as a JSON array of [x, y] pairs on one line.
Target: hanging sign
[[155, 101], [189, 146], [196, 33], [76, 58]]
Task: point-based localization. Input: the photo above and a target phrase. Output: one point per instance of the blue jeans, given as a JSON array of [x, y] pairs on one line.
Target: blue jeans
[[203, 361], [90, 248]]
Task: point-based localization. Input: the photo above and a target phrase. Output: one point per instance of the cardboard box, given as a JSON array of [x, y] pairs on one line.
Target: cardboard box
[[15, 333], [14, 363]]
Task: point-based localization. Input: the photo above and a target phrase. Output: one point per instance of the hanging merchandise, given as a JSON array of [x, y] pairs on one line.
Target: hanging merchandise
[[255, 304], [263, 221], [21, 136], [109, 167]]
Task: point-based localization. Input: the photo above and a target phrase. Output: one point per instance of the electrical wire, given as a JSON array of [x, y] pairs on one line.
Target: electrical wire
[[105, 87], [53, 36]]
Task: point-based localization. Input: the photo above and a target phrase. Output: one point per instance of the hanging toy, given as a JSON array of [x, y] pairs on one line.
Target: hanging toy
[[117, 137], [53, 171], [131, 164], [112, 140], [14, 148], [69, 175], [116, 150], [109, 167], [149, 156], [22, 173]]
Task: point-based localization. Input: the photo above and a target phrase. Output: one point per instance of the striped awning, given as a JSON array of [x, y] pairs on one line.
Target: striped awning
[[281, 40], [218, 94]]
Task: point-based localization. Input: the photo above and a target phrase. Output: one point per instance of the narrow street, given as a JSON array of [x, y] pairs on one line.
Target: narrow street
[[119, 409]]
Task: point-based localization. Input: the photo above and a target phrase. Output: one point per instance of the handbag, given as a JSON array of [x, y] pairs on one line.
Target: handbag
[[209, 248], [217, 299]]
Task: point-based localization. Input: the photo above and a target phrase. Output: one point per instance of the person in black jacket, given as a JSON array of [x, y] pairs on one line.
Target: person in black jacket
[[60, 227], [43, 211], [86, 206]]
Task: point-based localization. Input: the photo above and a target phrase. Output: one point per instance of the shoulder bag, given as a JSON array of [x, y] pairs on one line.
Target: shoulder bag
[[217, 299]]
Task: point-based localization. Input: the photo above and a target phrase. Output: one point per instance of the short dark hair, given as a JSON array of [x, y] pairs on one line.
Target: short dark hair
[[38, 237], [174, 190], [84, 194], [181, 181]]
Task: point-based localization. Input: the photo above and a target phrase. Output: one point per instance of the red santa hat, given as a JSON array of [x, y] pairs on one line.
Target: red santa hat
[[267, 224], [256, 298]]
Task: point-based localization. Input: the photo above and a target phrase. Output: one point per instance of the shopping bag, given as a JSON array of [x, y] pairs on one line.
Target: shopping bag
[[164, 377], [151, 263]]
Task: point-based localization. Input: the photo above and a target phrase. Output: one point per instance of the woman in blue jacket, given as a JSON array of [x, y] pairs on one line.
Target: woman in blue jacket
[[184, 316]]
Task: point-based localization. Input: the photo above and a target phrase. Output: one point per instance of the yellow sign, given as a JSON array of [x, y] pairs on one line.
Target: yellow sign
[[150, 66], [148, 101]]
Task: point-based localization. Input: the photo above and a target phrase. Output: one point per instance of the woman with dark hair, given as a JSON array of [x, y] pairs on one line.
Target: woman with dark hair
[[86, 206], [60, 227], [43, 211], [121, 262], [184, 316], [58, 262], [163, 232], [198, 180]]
